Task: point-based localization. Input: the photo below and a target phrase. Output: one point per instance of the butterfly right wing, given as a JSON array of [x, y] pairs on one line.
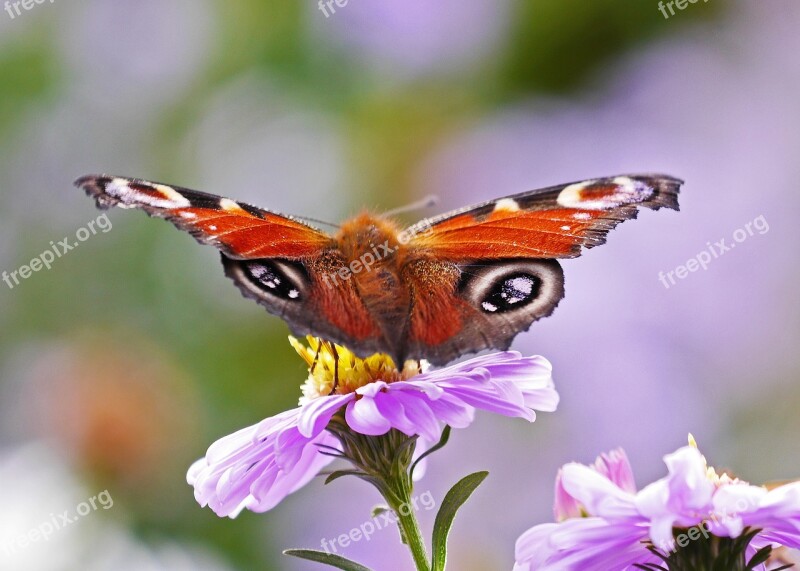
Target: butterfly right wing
[[548, 223], [490, 270]]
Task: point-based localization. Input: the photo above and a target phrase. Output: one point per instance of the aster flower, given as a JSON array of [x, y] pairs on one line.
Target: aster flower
[[694, 518], [379, 418]]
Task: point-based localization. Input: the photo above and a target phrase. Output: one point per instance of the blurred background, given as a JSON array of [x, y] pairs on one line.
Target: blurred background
[[133, 353]]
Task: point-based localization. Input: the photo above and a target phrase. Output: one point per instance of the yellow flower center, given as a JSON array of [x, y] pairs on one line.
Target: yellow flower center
[[332, 366]]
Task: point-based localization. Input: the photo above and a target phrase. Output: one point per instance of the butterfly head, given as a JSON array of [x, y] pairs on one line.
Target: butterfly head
[[368, 233]]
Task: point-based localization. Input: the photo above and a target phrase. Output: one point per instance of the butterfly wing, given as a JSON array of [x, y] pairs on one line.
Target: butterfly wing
[[494, 270], [465, 308], [279, 261], [554, 222], [239, 230]]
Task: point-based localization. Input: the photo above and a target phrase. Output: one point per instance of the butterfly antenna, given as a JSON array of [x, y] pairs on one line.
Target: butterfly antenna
[[427, 202], [322, 222]]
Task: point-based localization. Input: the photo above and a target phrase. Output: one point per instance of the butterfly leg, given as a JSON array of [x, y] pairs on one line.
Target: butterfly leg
[[335, 368], [316, 356]]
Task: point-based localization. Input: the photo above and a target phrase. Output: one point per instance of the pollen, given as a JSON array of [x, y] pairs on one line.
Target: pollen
[[334, 369]]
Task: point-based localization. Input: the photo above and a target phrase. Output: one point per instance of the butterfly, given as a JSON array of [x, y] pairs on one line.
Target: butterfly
[[458, 283]]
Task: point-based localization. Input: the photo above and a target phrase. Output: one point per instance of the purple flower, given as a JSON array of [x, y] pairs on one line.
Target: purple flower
[[607, 524], [256, 467], [614, 466]]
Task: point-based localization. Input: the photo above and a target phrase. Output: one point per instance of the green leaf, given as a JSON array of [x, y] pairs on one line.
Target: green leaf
[[454, 499], [327, 558], [439, 445]]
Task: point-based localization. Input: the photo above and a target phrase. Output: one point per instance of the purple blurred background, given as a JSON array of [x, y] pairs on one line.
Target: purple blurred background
[[122, 363]]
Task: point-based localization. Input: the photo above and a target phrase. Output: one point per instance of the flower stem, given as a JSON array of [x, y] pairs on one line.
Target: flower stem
[[400, 502], [385, 461]]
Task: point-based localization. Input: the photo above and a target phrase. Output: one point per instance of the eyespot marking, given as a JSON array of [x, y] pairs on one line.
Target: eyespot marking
[[274, 279], [520, 289]]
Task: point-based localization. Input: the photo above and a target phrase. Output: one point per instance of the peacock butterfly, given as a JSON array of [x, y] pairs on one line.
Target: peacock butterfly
[[458, 283]]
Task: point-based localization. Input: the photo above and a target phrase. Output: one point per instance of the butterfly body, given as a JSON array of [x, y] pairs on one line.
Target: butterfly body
[[373, 257], [461, 282]]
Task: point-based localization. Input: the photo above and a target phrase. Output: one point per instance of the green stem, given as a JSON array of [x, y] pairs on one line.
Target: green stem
[[400, 502], [385, 462]]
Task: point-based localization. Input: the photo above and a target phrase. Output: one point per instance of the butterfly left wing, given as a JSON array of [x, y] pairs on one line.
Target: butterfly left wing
[[482, 274], [239, 230], [276, 260]]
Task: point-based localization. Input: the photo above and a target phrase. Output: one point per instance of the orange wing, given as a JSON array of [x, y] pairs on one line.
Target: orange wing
[[554, 222], [239, 230]]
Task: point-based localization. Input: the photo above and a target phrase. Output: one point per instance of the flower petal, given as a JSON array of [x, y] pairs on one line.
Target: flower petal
[[599, 495], [243, 470], [316, 415], [363, 416]]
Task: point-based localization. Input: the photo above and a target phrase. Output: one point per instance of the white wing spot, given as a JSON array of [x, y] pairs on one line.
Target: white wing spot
[[489, 306], [229, 205], [121, 189], [188, 215], [294, 294], [176, 199], [581, 216], [628, 190], [506, 205], [570, 196], [566, 227], [212, 228]]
